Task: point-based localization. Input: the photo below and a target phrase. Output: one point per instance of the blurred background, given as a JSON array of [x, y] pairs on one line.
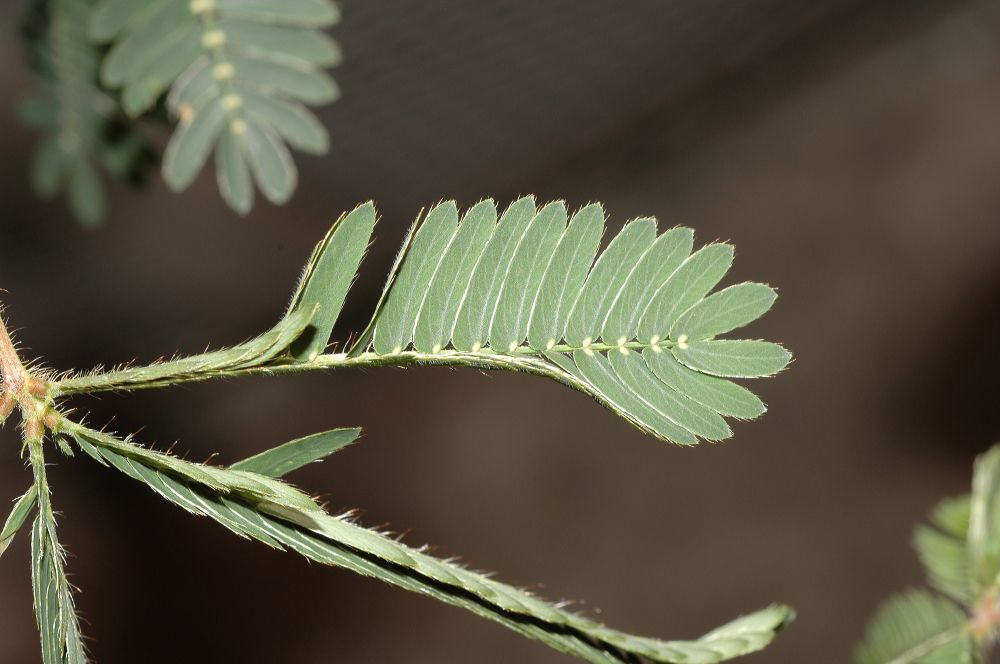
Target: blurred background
[[849, 148]]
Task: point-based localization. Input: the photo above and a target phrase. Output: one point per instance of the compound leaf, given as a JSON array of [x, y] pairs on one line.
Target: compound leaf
[[495, 295], [517, 295], [300, 525]]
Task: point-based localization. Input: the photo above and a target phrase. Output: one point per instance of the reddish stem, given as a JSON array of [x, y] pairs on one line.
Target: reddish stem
[[12, 372]]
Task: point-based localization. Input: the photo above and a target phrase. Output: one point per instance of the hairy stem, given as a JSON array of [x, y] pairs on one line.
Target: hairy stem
[[523, 359], [12, 372]]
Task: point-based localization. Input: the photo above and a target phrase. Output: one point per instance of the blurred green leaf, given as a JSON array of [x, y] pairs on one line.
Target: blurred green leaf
[[236, 72]]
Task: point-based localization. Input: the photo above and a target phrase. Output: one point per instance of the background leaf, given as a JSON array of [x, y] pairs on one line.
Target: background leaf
[[916, 626], [236, 74], [83, 132]]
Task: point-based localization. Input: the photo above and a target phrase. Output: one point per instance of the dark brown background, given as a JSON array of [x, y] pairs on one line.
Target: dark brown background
[[849, 149]]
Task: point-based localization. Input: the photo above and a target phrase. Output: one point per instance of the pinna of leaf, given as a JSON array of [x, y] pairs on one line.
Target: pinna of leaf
[[239, 74], [635, 326]]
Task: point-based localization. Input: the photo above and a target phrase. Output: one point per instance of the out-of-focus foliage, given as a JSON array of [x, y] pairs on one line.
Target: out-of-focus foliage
[[84, 136], [960, 553], [239, 75]]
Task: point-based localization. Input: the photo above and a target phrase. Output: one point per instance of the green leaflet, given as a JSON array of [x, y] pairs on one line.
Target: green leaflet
[[916, 627], [294, 80], [656, 265], [606, 279], [396, 322], [23, 507], [46, 599], [109, 18], [440, 307], [311, 13], [686, 413], [291, 120], [945, 562], [726, 310], [53, 599], [984, 529], [57, 623], [339, 542], [281, 460], [722, 396], [192, 87], [328, 277], [232, 173], [85, 193], [191, 144], [596, 369], [476, 312], [158, 32], [270, 162], [241, 64], [147, 84], [564, 277], [48, 168], [365, 338], [690, 283], [738, 359], [951, 515], [279, 42], [270, 493], [509, 326]]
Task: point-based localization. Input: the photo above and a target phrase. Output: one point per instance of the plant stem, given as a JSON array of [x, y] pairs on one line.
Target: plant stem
[[12, 373], [133, 379], [522, 359]]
